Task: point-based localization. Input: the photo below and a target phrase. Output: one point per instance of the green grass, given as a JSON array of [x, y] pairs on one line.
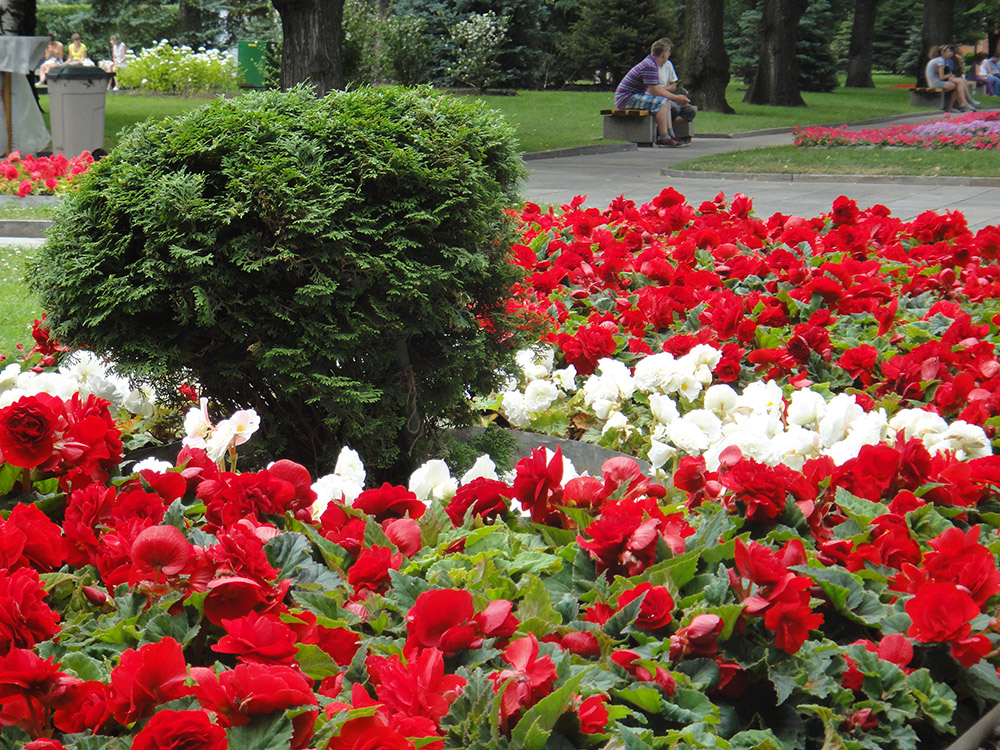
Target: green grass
[[18, 306], [15, 209], [561, 119], [851, 161]]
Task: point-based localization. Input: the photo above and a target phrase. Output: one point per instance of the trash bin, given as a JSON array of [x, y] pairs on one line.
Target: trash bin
[[77, 95], [250, 65]]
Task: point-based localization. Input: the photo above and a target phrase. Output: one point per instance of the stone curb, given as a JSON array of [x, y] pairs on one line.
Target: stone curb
[[857, 179], [599, 148], [34, 228]]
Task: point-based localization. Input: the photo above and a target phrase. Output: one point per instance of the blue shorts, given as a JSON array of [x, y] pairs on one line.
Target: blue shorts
[[646, 101]]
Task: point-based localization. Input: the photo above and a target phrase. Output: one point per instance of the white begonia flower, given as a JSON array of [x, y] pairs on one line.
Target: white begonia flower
[[197, 425], [433, 480], [483, 467], [152, 464], [11, 395], [663, 408], [515, 410], [536, 364], [350, 467], [844, 450], [966, 441], [761, 396], [603, 408], [657, 373], [918, 423], [806, 408], [688, 436], [707, 422], [701, 361], [720, 399], [245, 423], [618, 373], [53, 383], [141, 401], [333, 488], [8, 376], [690, 388], [617, 421], [795, 445], [870, 428], [840, 412], [539, 395], [659, 453], [218, 442], [600, 388], [566, 378]]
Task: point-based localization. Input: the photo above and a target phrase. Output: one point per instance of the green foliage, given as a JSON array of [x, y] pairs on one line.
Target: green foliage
[[521, 61], [359, 50], [168, 69], [405, 54], [817, 64], [895, 21], [477, 41], [611, 36], [337, 264], [133, 22]]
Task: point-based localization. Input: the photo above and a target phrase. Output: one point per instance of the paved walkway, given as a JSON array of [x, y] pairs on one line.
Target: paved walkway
[[640, 174]]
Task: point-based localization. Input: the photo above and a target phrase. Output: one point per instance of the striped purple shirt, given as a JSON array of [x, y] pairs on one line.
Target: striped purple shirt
[[637, 80]]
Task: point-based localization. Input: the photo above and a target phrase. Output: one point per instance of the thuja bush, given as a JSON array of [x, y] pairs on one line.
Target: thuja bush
[[337, 264]]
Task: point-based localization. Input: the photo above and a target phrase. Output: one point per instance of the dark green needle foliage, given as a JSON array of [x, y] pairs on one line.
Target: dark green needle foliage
[[337, 264]]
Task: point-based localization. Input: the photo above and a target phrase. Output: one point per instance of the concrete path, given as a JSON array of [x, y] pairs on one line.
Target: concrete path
[[641, 173]]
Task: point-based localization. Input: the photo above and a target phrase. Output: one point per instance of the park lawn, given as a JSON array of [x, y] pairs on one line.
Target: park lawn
[[851, 161], [124, 109], [18, 305], [548, 120]]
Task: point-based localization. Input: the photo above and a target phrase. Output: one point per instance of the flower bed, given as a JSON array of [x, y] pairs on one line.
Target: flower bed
[[973, 130], [44, 175], [841, 595]]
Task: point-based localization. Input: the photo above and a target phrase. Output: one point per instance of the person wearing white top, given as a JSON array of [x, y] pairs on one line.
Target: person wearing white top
[[668, 79]]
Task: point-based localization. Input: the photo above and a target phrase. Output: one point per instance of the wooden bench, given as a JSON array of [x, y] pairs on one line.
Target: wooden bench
[[638, 126]]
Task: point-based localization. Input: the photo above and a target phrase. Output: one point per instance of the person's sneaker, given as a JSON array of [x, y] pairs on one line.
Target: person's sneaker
[[975, 103], [666, 141], [680, 143]]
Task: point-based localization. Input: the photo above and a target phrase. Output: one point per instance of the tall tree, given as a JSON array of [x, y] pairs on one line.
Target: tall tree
[[938, 28], [859, 54], [17, 17], [706, 62], [311, 42], [777, 79]]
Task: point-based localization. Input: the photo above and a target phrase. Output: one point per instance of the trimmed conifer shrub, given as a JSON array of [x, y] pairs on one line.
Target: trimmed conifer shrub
[[337, 264]]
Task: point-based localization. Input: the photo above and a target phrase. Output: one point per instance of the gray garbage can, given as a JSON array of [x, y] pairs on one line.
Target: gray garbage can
[[77, 96]]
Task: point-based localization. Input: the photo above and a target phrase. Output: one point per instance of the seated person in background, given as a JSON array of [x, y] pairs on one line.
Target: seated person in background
[[668, 79], [641, 89], [956, 64], [993, 63], [940, 77], [76, 53], [979, 73], [53, 57]]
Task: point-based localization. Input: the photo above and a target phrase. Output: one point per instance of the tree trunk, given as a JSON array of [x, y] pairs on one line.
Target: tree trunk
[[706, 63], [311, 40], [939, 20], [776, 81], [859, 55], [189, 21], [17, 17]]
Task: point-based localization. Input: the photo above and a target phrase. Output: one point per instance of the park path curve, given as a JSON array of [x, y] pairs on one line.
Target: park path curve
[[641, 173]]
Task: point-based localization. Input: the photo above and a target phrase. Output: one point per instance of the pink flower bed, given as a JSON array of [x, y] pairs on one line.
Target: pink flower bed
[[973, 130]]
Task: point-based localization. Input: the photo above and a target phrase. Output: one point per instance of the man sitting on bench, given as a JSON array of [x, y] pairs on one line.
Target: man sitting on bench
[[641, 89], [686, 112]]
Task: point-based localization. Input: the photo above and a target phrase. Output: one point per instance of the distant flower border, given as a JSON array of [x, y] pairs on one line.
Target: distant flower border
[[973, 130]]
